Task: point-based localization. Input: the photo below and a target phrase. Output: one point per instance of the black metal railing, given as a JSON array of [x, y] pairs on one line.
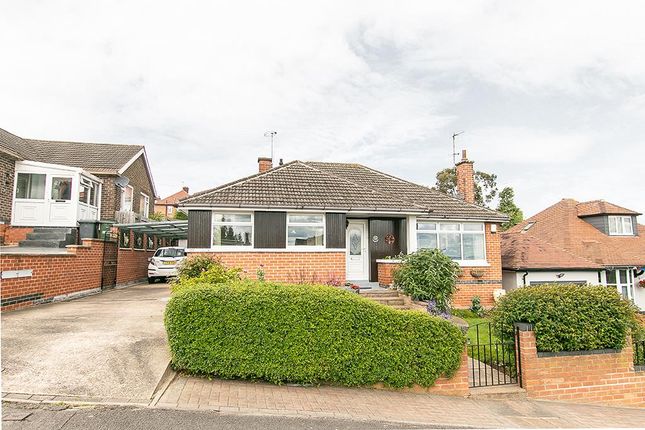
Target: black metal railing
[[491, 360], [639, 353]]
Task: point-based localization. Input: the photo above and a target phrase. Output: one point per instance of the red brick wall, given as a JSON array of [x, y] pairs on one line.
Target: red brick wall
[[386, 273], [53, 275], [10, 235], [455, 386], [286, 266], [491, 279], [7, 174], [606, 378], [132, 265]]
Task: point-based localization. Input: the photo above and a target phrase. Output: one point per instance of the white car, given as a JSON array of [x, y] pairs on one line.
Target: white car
[[164, 263]]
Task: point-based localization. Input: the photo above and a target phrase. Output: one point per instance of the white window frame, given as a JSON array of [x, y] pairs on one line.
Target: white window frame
[[629, 285], [461, 231], [306, 248], [28, 199], [233, 223], [622, 221], [91, 185], [146, 209], [122, 207]]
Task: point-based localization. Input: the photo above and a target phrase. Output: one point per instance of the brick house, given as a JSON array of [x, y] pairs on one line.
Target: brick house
[[48, 184], [169, 205], [332, 222], [593, 243]]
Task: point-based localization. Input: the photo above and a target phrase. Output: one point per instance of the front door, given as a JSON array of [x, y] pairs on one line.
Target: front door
[[357, 259]]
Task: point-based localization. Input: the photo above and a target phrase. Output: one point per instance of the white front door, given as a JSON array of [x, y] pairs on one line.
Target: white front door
[[357, 258]]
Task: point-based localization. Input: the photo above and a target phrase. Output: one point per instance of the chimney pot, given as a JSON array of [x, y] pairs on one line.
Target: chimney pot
[[281, 162], [264, 164], [185, 188], [463, 155]]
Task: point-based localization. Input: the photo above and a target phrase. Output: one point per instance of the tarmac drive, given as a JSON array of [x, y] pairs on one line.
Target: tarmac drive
[[110, 345]]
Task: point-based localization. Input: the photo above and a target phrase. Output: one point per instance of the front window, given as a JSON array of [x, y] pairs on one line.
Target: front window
[[230, 229], [61, 188], [305, 230], [87, 192], [30, 186], [620, 225], [459, 241], [126, 198], [623, 281], [144, 206]]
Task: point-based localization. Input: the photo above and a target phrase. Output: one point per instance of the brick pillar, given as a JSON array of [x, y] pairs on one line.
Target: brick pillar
[[264, 164], [465, 178]]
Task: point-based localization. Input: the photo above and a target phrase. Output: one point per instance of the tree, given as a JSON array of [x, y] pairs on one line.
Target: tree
[[157, 216], [485, 185], [507, 205], [180, 215]]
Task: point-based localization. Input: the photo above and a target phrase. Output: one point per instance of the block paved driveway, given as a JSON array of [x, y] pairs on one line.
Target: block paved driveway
[[107, 346]]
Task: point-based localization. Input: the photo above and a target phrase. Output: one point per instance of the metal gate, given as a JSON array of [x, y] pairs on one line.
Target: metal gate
[[491, 361], [110, 252]]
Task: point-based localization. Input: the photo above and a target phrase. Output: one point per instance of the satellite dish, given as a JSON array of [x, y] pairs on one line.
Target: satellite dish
[[121, 181]]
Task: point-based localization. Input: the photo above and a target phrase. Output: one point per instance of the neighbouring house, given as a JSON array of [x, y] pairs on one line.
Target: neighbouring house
[[168, 206], [332, 222], [48, 184], [594, 242]]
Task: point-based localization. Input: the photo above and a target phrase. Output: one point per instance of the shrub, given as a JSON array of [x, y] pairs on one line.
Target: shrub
[[476, 306], [306, 334], [567, 317], [428, 274], [199, 269]]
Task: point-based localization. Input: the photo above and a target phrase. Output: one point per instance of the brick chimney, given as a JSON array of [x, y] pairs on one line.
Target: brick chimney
[[185, 188], [264, 164], [465, 178]]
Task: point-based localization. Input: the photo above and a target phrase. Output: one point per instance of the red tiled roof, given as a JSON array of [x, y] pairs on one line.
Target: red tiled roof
[[601, 207], [559, 229], [174, 198]]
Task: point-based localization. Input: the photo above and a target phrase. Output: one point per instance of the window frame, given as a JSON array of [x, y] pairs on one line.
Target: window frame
[[322, 223], [71, 188], [91, 185], [620, 221], [461, 231], [15, 191], [146, 198], [214, 223], [122, 202]]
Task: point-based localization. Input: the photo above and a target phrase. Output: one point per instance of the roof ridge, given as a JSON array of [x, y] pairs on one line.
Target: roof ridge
[[367, 188], [238, 181], [76, 142]]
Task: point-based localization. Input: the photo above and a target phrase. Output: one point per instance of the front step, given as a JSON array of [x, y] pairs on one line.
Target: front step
[[49, 237], [391, 298], [498, 392]]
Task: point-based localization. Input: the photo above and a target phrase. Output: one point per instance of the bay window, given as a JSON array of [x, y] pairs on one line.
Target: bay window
[[232, 229], [305, 230], [459, 241], [620, 225]]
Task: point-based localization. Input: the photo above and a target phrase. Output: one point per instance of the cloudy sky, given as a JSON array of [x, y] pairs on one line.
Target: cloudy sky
[[551, 95]]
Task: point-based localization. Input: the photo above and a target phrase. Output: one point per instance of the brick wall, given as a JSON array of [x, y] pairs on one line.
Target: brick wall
[[386, 273], [286, 266], [7, 174], [601, 377], [53, 275], [132, 265], [12, 235], [110, 197], [490, 279]]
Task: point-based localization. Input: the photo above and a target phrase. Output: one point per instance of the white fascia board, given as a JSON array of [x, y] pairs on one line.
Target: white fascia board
[[38, 164], [145, 159]]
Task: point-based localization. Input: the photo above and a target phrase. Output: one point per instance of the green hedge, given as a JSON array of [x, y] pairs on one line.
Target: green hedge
[[306, 334], [567, 317]]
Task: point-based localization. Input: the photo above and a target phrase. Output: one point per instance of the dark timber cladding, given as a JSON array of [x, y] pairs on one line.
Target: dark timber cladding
[[270, 229], [335, 230], [382, 231], [199, 229]]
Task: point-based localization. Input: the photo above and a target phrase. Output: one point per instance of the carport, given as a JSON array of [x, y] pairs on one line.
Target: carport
[[161, 229]]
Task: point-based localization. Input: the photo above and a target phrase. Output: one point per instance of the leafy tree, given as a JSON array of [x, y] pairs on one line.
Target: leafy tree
[[179, 215], [157, 216], [507, 205], [485, 185]]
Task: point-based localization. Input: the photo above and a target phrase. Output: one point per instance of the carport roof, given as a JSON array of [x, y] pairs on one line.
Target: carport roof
[[171, 229]]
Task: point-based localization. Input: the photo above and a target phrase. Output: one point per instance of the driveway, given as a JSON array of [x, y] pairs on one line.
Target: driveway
[[109, 346]]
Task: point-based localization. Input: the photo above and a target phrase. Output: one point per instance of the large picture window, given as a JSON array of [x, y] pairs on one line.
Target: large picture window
[[30, 186], [305, 230], [620, 225], [459, 241], [230, 229]]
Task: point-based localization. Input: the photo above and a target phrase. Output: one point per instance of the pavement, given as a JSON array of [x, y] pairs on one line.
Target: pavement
[[57, 417], [110, 346]]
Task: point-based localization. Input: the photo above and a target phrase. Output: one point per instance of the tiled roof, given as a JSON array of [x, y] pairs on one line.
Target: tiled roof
[[562, 229], [15, 146], [337, 186], [98, 158], [601, 207], [173, 199]]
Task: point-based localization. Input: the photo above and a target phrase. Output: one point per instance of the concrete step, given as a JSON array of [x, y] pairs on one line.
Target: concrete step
[[35, 243], [390, 301], [499, 392], [47, 235], [375, 294]]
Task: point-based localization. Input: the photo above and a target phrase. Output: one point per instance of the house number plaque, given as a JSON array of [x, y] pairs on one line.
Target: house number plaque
[[375, 238]]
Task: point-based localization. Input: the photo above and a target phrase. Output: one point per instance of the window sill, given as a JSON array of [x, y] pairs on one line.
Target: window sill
[[472, 263]]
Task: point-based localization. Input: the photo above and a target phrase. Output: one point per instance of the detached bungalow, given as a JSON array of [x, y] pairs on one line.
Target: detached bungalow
[[594, 242], [332, 222]]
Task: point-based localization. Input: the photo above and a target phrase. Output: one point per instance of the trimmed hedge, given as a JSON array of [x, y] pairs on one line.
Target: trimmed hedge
[[306, 334], [567, 317]]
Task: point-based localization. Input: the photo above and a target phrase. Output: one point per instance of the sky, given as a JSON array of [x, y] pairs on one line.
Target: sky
[[550, 95]]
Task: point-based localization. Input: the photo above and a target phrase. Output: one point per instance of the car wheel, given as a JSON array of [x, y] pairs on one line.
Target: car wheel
[[151, 280]]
